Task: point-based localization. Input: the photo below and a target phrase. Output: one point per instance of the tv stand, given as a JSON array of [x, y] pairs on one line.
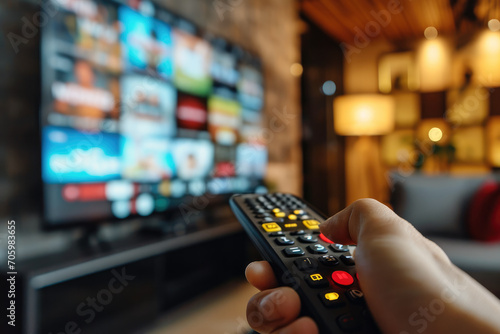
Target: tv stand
[[91, 242], [155, 264]]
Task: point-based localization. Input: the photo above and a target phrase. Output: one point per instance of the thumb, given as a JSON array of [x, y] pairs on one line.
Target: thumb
[[360, 220]]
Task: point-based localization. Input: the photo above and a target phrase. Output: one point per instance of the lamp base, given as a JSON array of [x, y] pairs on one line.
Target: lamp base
[[365, 175]]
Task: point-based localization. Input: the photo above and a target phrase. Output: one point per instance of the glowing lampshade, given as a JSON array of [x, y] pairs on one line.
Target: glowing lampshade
[[486, 63], [363, 115], [434, 59]]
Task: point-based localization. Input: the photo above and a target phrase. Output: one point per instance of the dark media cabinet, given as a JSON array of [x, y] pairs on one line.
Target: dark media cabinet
[[125, 288]]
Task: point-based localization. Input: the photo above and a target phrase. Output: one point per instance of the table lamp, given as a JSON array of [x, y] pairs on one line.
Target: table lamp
[[360, 117]]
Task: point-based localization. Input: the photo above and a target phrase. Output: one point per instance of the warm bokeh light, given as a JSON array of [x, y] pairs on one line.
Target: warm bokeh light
[[435, 134], [434, 59], [296, 69], [486, 64], [430, 33], [494, 25], [433, 130], [363, 115]]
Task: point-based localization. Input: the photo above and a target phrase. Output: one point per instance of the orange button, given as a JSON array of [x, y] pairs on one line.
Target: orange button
[[342, 278]]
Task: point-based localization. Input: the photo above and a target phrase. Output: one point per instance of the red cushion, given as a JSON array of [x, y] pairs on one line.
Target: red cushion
[[484, 213], [495, 223]]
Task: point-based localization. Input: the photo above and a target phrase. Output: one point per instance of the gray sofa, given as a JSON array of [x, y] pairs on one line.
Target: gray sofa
[[438, 207]]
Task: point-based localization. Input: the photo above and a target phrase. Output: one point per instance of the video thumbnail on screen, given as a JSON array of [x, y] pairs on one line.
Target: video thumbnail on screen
[[146, 43]]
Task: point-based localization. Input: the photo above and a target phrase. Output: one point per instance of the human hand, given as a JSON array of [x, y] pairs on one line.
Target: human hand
[[409, 283]]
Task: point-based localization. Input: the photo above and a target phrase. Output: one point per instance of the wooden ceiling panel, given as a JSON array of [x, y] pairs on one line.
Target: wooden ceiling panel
[[327, 22], [341, 18]]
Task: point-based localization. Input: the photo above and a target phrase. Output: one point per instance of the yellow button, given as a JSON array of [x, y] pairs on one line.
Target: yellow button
[[311, 224], [298, 212], [332, 296], [276, 210], [290, 225], [280, 214], [316, 277], [292, 217], [271, 227]]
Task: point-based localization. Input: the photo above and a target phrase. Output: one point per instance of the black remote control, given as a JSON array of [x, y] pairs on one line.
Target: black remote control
[[285, 230]]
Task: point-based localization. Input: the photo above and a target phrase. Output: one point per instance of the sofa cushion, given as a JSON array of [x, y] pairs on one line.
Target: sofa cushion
[[479, 259], [484, 213], [469, 254], [435, 205]]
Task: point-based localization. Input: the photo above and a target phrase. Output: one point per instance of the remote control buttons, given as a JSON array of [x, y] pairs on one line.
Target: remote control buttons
[[316, 281], [328, 260], [271, 227], [311, 224], [276, 210], [284, 241], [355, 296], [293, 251], [339, 248], [307, 239], [292, 217], [317, 249], [298, 212], [342, 278], [306, 264], [298, 232], [325, 239], [347, 259], [277, 234], [331, 299], [291, 225], [349, 323], [280, 214]]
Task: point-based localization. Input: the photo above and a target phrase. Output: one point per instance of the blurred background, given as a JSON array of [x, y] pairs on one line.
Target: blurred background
[[128, 124]]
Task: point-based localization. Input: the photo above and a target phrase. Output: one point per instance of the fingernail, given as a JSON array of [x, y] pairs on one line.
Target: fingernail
[[269, 308]]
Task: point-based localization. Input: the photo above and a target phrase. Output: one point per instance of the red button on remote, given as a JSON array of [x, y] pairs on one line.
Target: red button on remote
[[342, 278], [325, 239]]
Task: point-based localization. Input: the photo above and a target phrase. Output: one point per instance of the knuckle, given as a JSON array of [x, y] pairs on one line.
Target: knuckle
[[364, 204]]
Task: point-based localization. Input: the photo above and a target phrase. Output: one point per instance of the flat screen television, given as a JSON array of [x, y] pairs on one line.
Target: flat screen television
[[141, 110]]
